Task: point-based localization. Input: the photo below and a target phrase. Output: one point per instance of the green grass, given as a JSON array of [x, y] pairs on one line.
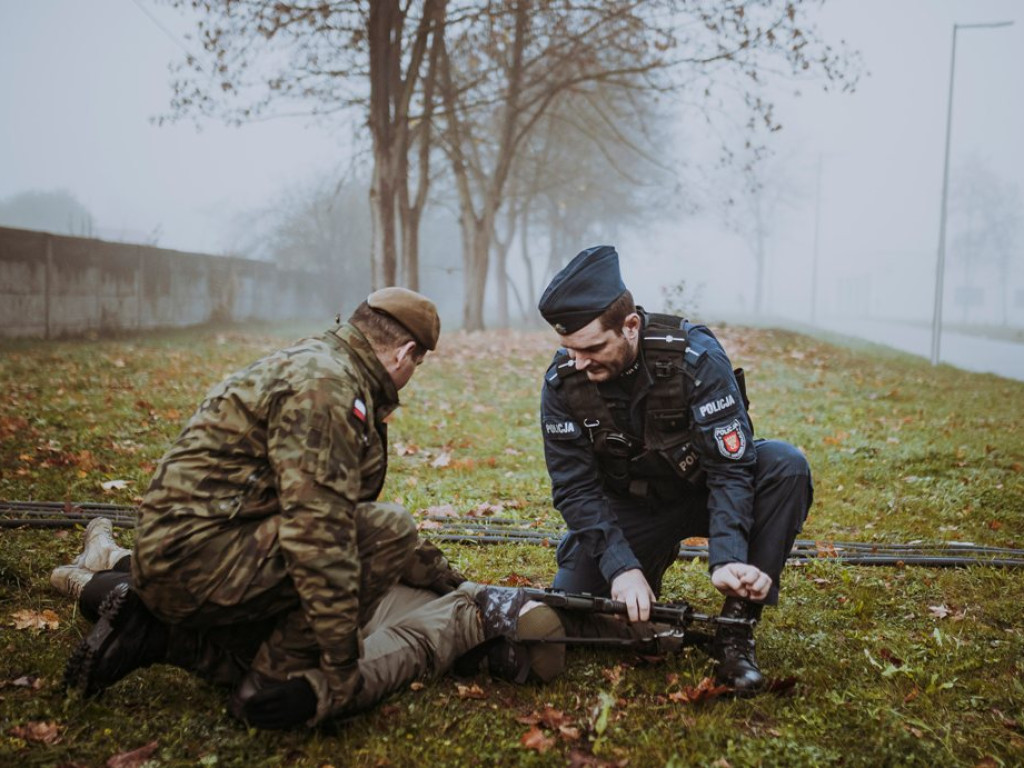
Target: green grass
[[900, 451]]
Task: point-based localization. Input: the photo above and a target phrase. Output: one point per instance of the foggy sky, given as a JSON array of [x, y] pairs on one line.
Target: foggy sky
[[82, 81]]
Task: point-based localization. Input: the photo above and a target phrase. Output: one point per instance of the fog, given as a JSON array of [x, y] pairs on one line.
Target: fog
[[856, 178]]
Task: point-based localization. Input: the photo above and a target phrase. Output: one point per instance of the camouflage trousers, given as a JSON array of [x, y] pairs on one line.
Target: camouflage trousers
[[254, 621]]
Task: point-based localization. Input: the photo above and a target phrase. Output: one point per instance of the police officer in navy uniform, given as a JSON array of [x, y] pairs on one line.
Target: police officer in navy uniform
[[648, 442]]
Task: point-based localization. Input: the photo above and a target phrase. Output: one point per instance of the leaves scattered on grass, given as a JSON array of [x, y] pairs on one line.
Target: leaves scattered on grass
[[134, 759], [472, 691], [29, 619], [41, 732]]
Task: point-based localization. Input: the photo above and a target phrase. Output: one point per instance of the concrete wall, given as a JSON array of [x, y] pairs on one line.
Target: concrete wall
[[53, 286]]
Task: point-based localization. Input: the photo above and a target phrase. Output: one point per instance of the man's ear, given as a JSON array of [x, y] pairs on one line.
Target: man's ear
[[631, 326], [406, 350]]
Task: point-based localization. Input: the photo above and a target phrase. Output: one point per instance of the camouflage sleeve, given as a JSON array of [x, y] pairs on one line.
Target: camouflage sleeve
[[428, 568], [315, 450]]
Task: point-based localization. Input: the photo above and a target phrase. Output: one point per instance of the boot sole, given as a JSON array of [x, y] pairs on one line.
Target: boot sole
[[547, 660], [79, 671]]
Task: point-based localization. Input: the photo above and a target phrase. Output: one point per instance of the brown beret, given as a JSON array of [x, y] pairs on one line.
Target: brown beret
[[416, 313]]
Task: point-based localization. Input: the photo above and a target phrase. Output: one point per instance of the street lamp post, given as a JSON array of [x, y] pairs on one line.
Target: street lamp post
[[940, 268]]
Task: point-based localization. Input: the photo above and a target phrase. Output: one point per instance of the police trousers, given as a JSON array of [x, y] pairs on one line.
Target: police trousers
[[654, 529]]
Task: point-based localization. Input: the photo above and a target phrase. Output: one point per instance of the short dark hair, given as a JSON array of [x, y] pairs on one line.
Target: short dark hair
[[382, 330], [613, 318]]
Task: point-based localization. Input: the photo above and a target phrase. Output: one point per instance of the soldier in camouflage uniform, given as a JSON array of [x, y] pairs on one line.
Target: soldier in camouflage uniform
[[262, 559]]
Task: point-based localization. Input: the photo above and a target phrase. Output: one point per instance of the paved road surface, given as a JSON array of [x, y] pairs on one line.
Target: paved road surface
[[972, 353]]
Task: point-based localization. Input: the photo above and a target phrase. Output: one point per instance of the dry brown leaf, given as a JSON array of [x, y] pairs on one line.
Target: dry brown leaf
[[134, 759], [26, 681], [42, 732], [826, 549], [444, 510], [536, 739], [554, 718], [515, 580], [486, 509], [473, 691], [35, 619], [429, 525], [706, 690], [569, 732]]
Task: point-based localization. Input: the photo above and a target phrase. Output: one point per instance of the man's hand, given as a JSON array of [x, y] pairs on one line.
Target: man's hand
[[281, 705], [631, 587], [742, 580]]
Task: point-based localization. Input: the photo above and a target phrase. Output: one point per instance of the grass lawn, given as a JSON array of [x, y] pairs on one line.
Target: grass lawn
[[874, 666]]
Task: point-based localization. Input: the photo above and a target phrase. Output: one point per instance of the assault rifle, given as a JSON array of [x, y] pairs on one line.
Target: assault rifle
[[678, 615]]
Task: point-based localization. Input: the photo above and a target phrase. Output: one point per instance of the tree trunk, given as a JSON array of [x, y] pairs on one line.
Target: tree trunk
[[384, 18]]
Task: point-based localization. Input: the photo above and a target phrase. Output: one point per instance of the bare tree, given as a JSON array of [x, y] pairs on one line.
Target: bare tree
[[498, 67], [322, 227], [361, 59], [513, 62], [57, 211], [985, 222]]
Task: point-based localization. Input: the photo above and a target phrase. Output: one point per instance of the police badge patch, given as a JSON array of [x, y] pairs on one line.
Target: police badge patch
[[730, 440], [561, 429]]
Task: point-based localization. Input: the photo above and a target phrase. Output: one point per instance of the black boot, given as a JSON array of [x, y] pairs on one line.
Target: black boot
[[733, 648], [125, 638]]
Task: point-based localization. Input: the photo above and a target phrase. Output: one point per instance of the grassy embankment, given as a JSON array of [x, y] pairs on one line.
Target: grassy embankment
[[892, 666]]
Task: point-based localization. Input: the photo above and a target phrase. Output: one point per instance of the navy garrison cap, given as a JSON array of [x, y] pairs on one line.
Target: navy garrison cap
[[583, 290]]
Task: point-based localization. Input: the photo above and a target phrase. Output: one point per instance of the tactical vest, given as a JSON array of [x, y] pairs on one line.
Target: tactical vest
[[668, 425]]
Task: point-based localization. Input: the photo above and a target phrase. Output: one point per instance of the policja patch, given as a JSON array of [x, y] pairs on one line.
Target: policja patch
[[730, 440], [561, 429]]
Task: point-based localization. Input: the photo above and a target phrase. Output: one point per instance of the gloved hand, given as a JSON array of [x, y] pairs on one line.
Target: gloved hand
[[280, 706], [428, 568]]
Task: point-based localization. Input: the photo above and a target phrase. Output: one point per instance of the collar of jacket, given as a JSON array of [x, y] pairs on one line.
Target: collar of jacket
[[385, 394]]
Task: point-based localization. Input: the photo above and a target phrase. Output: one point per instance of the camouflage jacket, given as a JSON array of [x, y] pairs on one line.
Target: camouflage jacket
[[297, 436]]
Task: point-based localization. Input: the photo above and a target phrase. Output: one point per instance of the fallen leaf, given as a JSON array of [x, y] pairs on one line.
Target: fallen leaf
[[486, 510], [26, 681], [445, 510], [706, 690], [473, 691], [443, 460], [114, 485], [938, 611], [569, 732], [892, 658], [43, 732], [134, 759], [554, 718], [429, 525], [826, 549], [536, 740], [516, 580], [578, 758], [36, 620], [416, 686]]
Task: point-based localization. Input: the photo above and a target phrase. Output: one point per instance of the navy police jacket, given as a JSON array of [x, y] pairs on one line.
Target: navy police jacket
[[717, 431]]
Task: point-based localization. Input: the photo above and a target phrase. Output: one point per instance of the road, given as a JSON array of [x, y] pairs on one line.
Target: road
[[972, 353]]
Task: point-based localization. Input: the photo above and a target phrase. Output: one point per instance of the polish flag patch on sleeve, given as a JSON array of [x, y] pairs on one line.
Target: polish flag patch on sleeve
[[359, 410]]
